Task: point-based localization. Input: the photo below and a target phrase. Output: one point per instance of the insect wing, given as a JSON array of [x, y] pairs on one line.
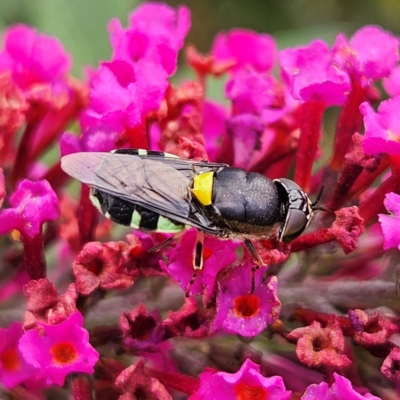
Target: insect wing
[[159, 184]]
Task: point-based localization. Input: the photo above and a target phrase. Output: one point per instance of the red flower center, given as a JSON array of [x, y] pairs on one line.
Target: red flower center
[[10, 360], [207, 253], [244, 391], [247, 305], [95, 266], [64, 353], [143, 327], [137, 251]]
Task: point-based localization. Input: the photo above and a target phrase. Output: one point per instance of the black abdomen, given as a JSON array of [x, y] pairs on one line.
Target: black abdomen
[[130, 214]]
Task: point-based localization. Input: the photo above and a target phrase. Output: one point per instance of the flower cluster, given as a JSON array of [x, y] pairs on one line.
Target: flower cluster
[[154, 327]]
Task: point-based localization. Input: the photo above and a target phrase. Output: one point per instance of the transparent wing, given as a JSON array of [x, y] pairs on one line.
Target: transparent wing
[[161, 185]]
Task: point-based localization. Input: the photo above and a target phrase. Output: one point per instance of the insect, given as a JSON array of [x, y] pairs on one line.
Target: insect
[[157, 191]]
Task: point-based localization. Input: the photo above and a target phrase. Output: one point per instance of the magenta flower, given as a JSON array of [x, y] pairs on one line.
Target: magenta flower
[[247, 48], [121, 93], [392, 83], [34, 58], [251, 91], [311, 74], [2, 187], [134, 83], [367, 63], [217, 254], [215, 116], [242, 312], [269, 123], [390, 229], [58, 350], [340, 389], [247, 383], [245, 131], [33, 204], [97, 138], [156, 34], [13, 367], [382, 129]]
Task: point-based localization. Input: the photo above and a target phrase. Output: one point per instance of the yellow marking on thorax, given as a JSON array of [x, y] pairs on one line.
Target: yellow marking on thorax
[[202, 187]]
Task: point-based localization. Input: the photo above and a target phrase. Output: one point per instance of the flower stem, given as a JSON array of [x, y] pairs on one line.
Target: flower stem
[[373, 205], [87, 216], [349, 122], [34, 258], [175, 380], [311, 120], [80, 388]]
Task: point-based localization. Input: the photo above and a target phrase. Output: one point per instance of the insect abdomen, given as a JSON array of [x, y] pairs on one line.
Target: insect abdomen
[[129, 214]]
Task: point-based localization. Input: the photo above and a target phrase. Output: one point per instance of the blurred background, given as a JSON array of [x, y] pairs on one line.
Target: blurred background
[[81, 24]]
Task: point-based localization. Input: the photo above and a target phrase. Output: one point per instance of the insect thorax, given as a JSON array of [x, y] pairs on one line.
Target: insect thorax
[[245, 204]]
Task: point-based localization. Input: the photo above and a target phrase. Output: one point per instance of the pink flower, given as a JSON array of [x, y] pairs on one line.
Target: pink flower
[[340, 389], [217, 254], [59, 349], [135, 382], [346, 229], [390, 366], [214, 118], [367, 63], [13, 367], [241, 312], [247, 383], [141, 329], [318, 346], [189, 321], [311, 74], [105, 266], [382, 129], [392, 83], [371, 330], [389, 223], [13, 106], [2, 187], [122, 93], [33, 204], [134, 83], [251, 91], [247, 48], [156, 34], [245, 132], [97, 138], [45, 305], [33, 58]]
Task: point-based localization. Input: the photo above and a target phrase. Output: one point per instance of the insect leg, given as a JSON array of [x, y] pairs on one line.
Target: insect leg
[[165, 243], [198, 259], [250, 247]]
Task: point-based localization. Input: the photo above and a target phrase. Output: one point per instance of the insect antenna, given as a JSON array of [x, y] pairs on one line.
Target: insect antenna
[[314, 205], [252, 250], [165, 243], [162, 245]]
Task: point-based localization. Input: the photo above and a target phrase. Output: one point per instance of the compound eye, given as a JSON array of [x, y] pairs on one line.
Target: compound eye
[[296, 222]]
